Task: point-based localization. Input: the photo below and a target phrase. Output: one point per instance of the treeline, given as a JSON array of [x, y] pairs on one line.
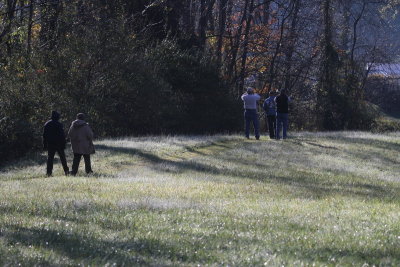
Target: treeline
[[179, 66]]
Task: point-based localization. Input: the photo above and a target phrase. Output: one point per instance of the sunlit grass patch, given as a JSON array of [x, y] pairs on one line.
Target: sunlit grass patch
[[316, 198]]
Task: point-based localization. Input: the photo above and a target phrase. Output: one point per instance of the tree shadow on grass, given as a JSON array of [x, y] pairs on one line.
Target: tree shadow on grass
[[375, 257], [316, 188], [160, 163], [33, 159], [381, 148], [312, 181], [83, 247], [304, 181], [314, 184], [367, 142], [372, 154]]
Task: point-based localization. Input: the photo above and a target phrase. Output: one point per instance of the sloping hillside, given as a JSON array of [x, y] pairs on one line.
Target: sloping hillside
[[316, 198]]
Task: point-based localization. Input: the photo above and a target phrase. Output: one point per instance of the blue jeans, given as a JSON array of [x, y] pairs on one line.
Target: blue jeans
[[250, 115], [281, 120]]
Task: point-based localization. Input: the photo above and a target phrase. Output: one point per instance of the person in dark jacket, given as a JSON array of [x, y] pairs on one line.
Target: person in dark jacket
[[81, 136], [54, 141], [282, 111], [269, 107]]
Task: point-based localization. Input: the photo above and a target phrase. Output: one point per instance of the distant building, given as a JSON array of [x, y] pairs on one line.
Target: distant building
[[388, 71], [384, 76]]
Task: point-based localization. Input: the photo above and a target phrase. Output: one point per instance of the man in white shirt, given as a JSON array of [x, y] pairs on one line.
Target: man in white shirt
[[250, 112]]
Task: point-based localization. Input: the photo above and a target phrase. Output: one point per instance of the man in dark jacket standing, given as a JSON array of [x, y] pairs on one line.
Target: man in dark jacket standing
[[54, 141], [81, 136], [282, 110]]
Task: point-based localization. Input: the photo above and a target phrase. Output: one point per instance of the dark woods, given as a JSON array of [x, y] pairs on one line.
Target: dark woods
[[178, 66]]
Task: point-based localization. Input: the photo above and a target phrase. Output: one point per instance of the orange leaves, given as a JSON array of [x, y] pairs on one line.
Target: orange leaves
[[36, 30]]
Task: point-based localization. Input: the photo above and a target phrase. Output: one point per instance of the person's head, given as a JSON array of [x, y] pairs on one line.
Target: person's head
[[250, 90], [271, 93], [283, 92], [55, 115], [80, 116]]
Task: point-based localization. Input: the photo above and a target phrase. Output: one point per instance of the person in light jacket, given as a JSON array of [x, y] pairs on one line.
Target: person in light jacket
[[250, 112], [81, 136]]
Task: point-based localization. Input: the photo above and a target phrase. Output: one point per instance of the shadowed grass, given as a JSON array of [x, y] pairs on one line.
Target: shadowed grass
[[317, 198]]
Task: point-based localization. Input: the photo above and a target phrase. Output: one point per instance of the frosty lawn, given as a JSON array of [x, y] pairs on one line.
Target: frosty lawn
[[328, 198]]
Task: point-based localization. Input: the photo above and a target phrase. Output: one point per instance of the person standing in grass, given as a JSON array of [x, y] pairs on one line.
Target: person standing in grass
[[54, 141], [81, 136], [250, 112], [269, 107], [282, 111]]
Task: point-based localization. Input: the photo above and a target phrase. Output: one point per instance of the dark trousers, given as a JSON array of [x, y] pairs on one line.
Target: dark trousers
[[50, 159], [250, 116], [271, 125], [77, 160], [281, 123]]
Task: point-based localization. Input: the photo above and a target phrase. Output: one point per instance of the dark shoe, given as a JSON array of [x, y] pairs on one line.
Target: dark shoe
[[72, 173], [67, 173], [89, 172], [257, 138], [247, 137], [49, 174]]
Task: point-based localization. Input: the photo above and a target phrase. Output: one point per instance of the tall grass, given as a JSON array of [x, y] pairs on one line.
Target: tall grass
[[322, 199]]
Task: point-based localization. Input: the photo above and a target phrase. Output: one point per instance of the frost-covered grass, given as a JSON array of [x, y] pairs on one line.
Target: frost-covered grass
[[317, 198]]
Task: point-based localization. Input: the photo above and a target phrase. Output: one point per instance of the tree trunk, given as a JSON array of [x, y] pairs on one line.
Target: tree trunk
[[245, 47], [236, 43], [266, 11], [327, 105], [278, 49], [30, 24], [345, 37], [174, 11], [48, 32], [202, 23], [209, 15], [187, 18], [291, 45], [327, 46], [8, 18], [221, 29]]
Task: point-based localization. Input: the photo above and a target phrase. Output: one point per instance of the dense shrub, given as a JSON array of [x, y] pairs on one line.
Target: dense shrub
[[384, 124], [385, 94], [124, 87], [16, 138]]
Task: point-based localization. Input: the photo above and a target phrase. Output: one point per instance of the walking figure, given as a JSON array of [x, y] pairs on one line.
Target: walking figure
[[81, 136], [54, 141]]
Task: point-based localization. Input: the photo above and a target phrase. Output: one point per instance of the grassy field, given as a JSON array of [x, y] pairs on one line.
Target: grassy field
[[323, 199], [387, 122]]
